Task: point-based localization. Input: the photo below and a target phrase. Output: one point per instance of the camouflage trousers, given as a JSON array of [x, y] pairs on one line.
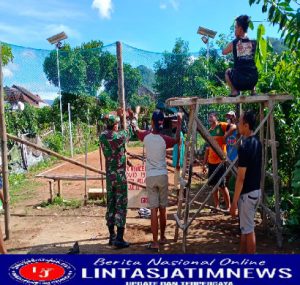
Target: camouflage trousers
[[117, 201]]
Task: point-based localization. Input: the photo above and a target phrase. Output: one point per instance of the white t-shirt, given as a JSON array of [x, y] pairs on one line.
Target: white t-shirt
[[155, 155]]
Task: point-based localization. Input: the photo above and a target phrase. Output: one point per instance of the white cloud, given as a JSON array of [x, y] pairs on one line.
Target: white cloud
[[29, 32], [105, 8], [51, 15], [10, 69], [7, 73], [192, 59], [174, 4], [47, 94], [163, 6], [169, 3]]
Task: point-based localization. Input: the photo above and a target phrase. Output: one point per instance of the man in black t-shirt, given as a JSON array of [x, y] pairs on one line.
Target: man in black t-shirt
[[247, 187], [244, 75]]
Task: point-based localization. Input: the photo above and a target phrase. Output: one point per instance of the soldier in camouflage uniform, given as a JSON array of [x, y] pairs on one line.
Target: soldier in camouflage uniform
[[113, 145]]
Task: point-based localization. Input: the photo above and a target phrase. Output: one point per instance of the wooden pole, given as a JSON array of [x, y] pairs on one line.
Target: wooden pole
[[275, 178], [85, 173], [50, 152], [184, 167], [70, 130], [121, 90], [187, 196], [263, 162], [264, 197], [51, 191], [4, 154], [59, 188]]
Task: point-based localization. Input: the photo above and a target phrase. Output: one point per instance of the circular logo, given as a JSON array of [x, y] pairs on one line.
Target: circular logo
[[42, 270]]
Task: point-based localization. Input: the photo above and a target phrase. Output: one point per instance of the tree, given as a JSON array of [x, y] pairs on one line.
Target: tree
[[82, 69], [132, 80], [170, 72], [280, 12], [148, 76], [7, 55], [281, 75]]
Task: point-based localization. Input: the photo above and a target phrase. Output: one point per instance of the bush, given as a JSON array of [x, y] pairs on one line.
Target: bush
[[54, 142], [296, 179]]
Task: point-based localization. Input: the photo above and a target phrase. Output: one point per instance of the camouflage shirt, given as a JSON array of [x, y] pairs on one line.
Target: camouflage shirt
[[113, 146]]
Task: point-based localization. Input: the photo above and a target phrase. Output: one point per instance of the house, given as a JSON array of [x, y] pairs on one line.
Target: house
[[17, 95]]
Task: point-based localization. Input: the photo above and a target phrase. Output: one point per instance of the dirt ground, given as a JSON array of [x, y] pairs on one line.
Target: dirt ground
[[40, 230]]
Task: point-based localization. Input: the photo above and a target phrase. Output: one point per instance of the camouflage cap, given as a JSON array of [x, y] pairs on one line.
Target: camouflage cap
[[111, 120]]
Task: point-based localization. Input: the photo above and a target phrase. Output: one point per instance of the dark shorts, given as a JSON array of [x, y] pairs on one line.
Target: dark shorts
[[217, 176], [243, 80]]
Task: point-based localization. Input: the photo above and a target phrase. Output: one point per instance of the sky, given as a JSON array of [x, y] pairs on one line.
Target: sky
[[148, 25], [151, 25]]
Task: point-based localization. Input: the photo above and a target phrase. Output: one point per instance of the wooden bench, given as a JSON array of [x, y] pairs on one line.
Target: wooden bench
[[58, 178]]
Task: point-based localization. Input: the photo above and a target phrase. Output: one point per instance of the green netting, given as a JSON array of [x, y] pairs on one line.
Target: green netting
[[92, 70]]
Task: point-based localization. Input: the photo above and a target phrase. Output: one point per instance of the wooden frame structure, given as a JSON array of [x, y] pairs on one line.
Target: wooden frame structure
[[183, 217]]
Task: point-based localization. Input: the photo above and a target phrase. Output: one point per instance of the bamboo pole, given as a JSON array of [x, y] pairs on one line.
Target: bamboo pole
[[184, 167], [4, 154], [50, 152], [187, 196], [121, 90], [275, 177]]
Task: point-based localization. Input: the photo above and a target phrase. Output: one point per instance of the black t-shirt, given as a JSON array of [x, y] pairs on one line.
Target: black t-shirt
[[250, 156], [243, 54]]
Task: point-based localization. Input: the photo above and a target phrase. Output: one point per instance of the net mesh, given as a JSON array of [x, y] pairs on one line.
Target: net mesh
[[149, 77]]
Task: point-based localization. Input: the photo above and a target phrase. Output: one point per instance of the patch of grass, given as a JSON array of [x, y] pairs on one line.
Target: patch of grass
[[21, 188], [97, 202], [60, 202], [135, 144]]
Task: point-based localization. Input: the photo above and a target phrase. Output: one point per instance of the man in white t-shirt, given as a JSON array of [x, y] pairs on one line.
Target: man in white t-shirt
[[157, 173]]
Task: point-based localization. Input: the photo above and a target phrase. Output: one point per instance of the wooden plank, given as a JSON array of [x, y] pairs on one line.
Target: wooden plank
[[70, 177], [187, 101], [275, 177], [211, 141]]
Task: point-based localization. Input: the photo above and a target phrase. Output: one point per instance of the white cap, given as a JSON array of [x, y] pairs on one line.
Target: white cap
[[231, 113]]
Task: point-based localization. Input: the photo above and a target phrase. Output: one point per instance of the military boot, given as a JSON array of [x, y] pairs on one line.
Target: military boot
[[112, 235], [120, 242]]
